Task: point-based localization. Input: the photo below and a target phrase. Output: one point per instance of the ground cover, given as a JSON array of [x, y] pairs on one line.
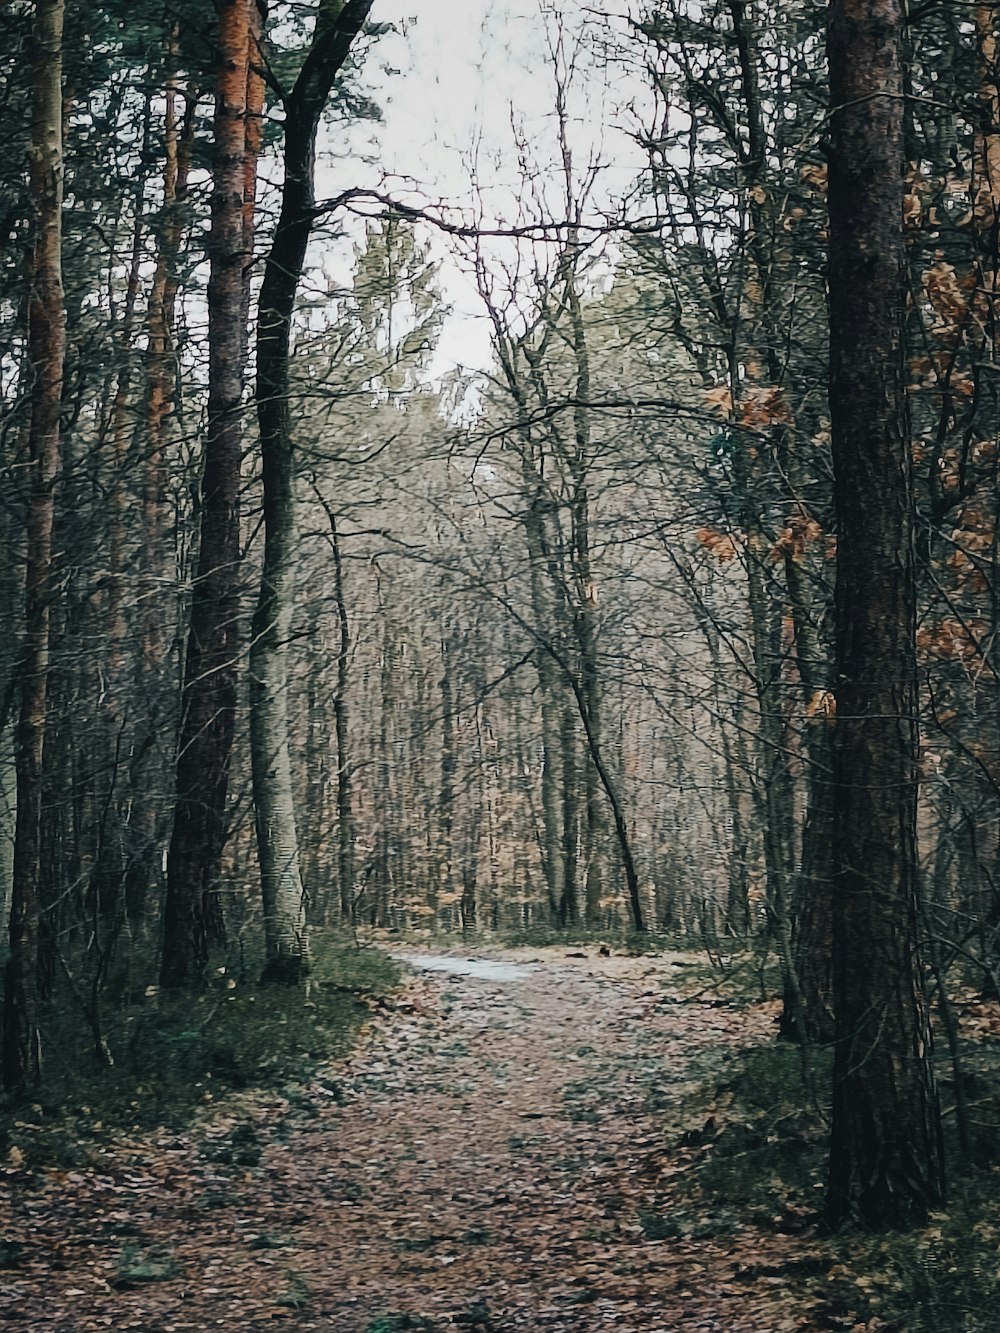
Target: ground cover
[[542, 1139]]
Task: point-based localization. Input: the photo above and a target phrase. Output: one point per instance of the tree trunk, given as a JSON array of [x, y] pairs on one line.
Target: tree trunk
[[617, 810], [46, 355], [161, 363], [449, 767], [119, 555], [584, 590], [286, 943], [813, 906], [345, 792], [569, 895], [553, 851], [192, 913], [886, 1165], [147, 825]]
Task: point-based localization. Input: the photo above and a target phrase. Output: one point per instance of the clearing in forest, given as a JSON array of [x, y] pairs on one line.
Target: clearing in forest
[[496, 1155]]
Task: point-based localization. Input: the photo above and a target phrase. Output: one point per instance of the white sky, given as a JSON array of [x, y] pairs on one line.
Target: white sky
[[467, 70]]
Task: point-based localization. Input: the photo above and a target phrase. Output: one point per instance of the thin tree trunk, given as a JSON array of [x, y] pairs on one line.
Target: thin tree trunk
[[345, 793], [147, 825], [121, 419], [449, 766], [387, 805], [584, 589], [569, 896], [886, 1166], [553, 779], [46, 355], [178, 140], [585, 626], [286, 942], [613, 794], [813, 905]]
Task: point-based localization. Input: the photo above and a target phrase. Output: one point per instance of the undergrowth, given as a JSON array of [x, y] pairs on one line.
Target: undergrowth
[[620, 938], [172, 1055], [943, 1278], [756, 1158]]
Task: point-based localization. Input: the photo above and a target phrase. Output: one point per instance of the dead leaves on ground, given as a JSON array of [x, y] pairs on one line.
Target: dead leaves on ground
[[490, 1159]]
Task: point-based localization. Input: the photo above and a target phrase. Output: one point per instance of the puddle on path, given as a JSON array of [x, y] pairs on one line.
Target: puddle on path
[[482, 969]]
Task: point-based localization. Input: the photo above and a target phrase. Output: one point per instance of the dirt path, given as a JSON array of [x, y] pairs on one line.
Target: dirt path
[[489, 1160]]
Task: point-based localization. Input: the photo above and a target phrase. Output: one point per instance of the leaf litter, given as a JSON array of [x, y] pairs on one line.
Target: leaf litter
[[494, 1155]]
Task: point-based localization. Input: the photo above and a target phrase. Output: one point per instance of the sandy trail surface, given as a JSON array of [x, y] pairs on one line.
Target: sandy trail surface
[[489, 1158]]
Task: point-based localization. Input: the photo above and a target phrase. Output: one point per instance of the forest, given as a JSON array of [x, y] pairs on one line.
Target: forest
[[499, 523]]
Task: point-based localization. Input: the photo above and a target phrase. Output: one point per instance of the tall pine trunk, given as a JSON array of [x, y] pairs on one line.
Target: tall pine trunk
[[46, 355], [886, 1164], [193, 914]]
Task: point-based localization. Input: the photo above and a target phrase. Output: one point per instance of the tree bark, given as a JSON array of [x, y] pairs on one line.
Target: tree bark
[[886, 1166], [449, 769], [583, 587], [553, 850], [192, 913], [149, 824], [178, 142], [46, 356], [286, 943], [813, 905]]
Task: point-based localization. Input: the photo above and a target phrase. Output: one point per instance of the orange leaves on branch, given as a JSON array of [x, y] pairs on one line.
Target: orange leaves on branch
[[974, 539], [950, 638], [720, 400], [719, 544], [764, 405], [814, 175], [760, 405], [949, 471], [945, 293], [795, 537], [925, 370], [984, 206]]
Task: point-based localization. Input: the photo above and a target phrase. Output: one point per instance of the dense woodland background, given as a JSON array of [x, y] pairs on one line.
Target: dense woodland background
[[545, 644]]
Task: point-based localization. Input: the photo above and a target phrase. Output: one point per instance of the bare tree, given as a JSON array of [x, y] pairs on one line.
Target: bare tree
[[337, 26]]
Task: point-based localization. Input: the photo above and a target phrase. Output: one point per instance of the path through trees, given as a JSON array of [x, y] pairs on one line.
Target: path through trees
[[495, 1159]]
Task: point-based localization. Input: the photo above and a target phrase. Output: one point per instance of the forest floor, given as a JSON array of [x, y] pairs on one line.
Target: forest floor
[[506, 1149]]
